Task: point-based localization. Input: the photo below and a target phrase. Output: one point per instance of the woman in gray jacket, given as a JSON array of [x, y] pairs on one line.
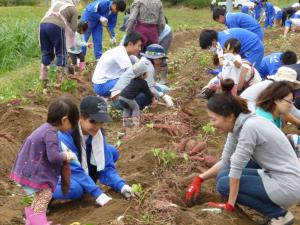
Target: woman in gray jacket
[[270, 188]]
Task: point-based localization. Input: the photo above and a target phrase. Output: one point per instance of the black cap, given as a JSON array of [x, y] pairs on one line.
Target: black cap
[[95, 108]]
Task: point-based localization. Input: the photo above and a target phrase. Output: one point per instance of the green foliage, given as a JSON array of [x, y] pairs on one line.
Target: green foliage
[[18, 2], [208, 131], [18, 42], [27, 200], [69, 86], [139, 192], [114, 113], [165, 158]]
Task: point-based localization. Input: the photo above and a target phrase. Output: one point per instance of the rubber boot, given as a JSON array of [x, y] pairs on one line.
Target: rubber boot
[[82, 66], [28, 211], [135, 122], [125, 122], [38, 219]]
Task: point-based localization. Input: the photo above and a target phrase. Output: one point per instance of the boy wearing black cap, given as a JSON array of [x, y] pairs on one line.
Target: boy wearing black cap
[[96, 158]]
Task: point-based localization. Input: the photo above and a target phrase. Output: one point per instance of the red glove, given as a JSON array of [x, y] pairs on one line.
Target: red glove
[[193, 191], [226, 206]]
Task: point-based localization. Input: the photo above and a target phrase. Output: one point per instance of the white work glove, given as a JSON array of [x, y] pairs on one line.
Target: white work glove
[[113, 41], [219, 50], [127, 192], [103, 21], [103, 199], [71, 155], [168, 100]]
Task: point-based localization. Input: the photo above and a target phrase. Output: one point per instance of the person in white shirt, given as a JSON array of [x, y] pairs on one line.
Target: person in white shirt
[[114, 63]]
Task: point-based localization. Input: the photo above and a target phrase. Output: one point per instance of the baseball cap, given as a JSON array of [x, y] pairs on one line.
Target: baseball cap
[[289, 73], [96, 108], [140, 67], [155, 51]]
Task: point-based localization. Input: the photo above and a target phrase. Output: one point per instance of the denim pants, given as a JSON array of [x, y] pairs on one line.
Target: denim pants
[[251, 192]]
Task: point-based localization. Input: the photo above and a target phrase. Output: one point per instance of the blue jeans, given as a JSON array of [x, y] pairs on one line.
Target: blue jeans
[[251, 192]]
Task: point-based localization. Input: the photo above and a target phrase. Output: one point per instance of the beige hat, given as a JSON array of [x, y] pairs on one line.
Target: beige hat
[[287, 73]]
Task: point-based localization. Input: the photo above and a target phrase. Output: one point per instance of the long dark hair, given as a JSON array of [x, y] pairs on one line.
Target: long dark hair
[[225, 105], [63, 106], [275, 91]]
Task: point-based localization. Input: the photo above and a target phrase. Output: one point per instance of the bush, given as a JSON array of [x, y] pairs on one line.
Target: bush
[[192, 3], [18, 42], [18, 2]]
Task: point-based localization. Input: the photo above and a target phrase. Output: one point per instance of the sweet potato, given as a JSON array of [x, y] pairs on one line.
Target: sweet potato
[[197, 158], [199, 147], [171, 129], [65, 177], [210, 160], [190, 144], [182, 145]]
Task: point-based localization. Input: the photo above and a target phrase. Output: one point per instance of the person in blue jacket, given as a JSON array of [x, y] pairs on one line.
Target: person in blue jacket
[[98, 14], [271, 63], [270, 13], [252, 47], [241, 20], [96, 158], [257, 10]]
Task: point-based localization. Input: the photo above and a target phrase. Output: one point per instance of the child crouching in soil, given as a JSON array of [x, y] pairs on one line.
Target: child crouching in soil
[[38, 163], [75, 52], [131, 110]]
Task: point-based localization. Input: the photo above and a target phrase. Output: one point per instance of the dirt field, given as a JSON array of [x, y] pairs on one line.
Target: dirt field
[[164, 185]]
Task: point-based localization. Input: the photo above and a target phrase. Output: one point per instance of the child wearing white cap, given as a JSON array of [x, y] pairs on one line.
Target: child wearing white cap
[[131, 109]]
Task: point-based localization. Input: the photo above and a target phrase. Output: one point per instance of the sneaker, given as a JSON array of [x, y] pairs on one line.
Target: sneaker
[[288, 219]]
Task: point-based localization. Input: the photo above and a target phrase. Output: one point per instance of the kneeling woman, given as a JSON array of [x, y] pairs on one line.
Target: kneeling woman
[[270, 190], [96, 159]]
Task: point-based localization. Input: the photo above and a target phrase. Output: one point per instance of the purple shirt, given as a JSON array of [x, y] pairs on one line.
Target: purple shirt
[[39, 160]]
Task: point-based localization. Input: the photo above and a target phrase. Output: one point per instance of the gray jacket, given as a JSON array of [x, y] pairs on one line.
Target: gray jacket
[[257, 138], [146, 11]]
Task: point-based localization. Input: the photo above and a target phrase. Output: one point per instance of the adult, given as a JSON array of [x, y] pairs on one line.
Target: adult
[[60, 20], [252, 47], [96, 158], [289, 74], [271, 63], [271, 189], [275, 101], [154, 55], [147, 18], [114, 63], [99, 14], [241, 20]]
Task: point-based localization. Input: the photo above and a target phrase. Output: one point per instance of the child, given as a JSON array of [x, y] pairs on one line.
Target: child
[[131, 110], [75, 52], [234, 67], [38, 163]]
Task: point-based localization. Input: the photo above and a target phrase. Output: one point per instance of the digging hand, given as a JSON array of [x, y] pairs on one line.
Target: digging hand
[[227, 206], [193, 191], [168, 100], [113, 41], [127, 192], [103, 199]]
